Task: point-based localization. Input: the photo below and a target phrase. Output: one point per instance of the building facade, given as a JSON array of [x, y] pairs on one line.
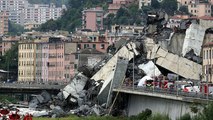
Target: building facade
[[8, 42], [200, 9], [93, 19], [27, 62], [41, 61], [40, 13], [144, 3], [21, 12], [208, 62], [56, 60], [4, 22]]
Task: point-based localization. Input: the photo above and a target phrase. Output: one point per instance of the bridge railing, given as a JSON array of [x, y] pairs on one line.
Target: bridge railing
[[168, 91], [30, 86]]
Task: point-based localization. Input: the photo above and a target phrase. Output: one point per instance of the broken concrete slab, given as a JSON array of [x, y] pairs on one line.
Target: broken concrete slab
[[124, 52], [106, 73], [40, 98], [46, 96], [118, 78], [75, 86], [150, 69], [33, 103], [193, 39], [179, 65], [58, 111]]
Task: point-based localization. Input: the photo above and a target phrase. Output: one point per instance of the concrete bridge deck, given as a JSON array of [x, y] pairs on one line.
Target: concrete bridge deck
[[166, 94], [28, 88]]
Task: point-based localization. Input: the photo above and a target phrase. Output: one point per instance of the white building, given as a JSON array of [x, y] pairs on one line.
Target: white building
[[146, 3], [14, 8], [21, 12], [40, 13]]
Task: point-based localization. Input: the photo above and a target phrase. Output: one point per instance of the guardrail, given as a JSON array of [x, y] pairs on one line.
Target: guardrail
[[30, 86], [171, 92]]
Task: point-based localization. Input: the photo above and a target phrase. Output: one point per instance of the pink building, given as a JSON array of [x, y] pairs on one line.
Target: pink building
[[56, 60], [117, 4], [45, 59], [200, 9], [69, 61], [99, 46], [113, 8], [93, 19], [7, 43], [211, 1], [122, 1], [69, 67]]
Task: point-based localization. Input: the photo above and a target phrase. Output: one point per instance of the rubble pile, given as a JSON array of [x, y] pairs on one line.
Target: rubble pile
[[78, 97], [141, 58]]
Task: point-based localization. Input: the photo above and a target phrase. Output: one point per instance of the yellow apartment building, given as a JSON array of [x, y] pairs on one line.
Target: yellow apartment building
[[26, 62]]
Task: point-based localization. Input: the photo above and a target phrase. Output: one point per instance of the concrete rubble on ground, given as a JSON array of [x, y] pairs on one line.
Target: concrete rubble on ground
[[139, 58]]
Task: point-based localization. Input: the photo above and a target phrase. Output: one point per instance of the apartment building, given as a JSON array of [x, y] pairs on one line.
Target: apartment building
[[41, 60], [93, 19], [15, 9], [27, 62], [8, 42], [4, 22], [56, 60], [117, 4], [144, 3], [200, 9], [208, 61], [122, 1], [20, 11], [40, 13]]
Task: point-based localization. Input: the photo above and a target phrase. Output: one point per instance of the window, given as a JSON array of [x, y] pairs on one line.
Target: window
[[94, 46], [76, 56], [85, 46], [102, 46], [207, 54], [75, 66], [204, 55]]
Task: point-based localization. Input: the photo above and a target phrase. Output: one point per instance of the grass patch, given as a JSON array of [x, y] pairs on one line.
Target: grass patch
[[73, 117], [7, 99]]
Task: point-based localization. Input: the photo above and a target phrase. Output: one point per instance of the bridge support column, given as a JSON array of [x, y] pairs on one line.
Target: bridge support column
[[26, 97]]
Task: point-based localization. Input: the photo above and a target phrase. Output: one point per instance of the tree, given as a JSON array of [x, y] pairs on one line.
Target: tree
[[122, 12], [10, 61], [184, 9], [109, 20], [14, 29], [170, 6], [155, 4]]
